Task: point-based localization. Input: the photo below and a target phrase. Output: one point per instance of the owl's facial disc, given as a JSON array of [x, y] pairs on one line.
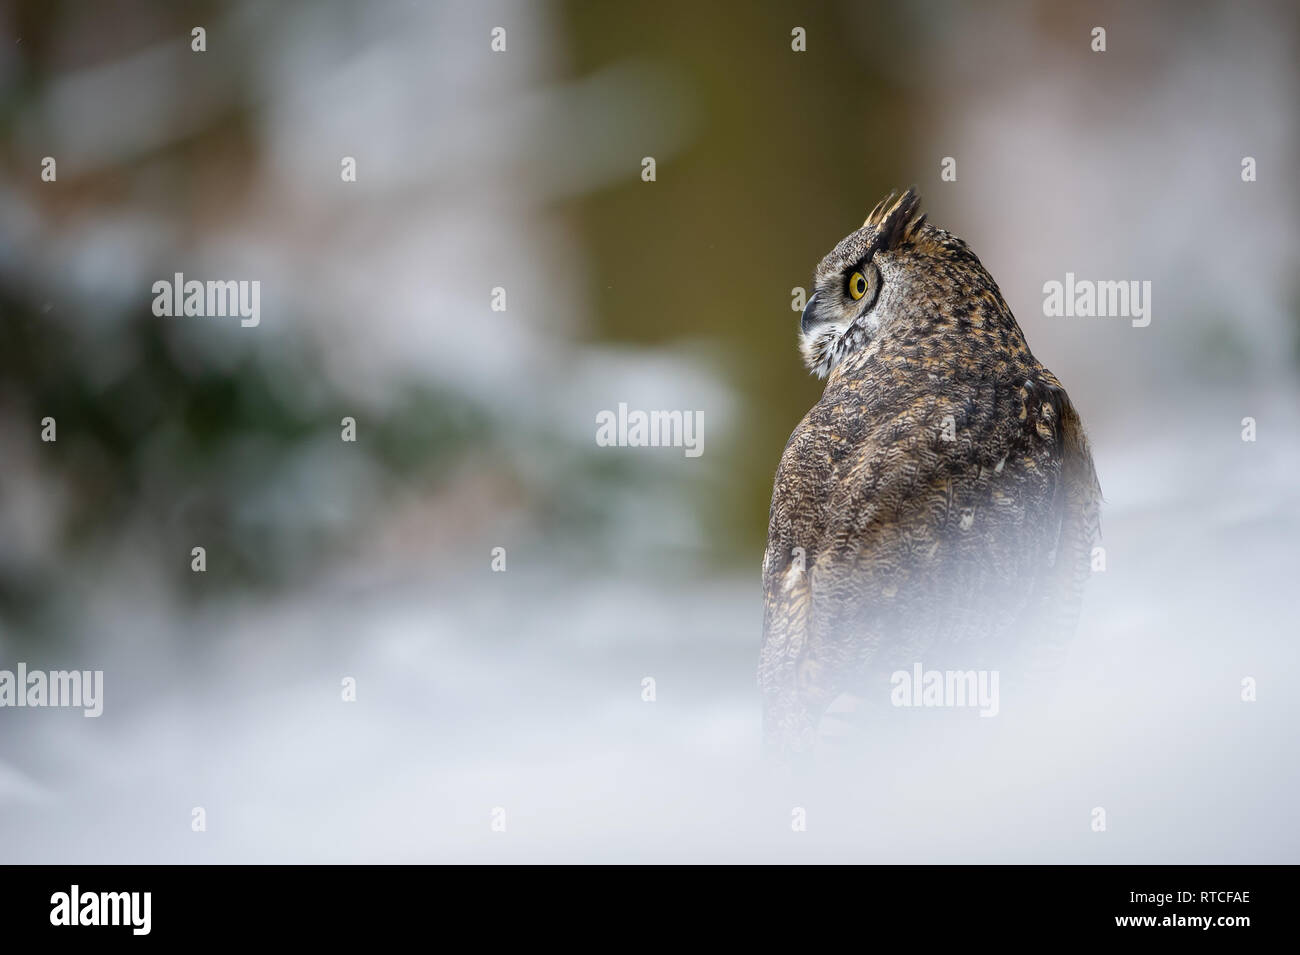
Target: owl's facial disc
[[837, 319]]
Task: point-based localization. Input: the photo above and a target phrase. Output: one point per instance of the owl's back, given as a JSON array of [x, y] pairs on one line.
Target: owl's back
[[937, 505]]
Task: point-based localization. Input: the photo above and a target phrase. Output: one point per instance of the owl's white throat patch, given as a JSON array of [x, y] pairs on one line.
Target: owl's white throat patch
[[826, 345]]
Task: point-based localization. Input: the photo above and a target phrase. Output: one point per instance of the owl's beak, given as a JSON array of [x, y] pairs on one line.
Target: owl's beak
[[809, 318]]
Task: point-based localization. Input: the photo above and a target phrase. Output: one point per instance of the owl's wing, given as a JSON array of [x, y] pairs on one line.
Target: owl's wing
[[795, 525], [1053, 618]]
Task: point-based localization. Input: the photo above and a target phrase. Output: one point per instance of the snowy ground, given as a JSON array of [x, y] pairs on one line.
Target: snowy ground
[[523, 691]]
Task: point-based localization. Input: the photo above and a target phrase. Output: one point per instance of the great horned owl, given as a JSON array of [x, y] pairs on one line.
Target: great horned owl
[[939, 503]]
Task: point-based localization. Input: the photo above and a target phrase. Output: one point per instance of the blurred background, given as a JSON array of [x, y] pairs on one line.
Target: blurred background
[[522, 170]]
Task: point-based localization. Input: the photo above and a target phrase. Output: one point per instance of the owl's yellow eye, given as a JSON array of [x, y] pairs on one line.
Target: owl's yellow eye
[[857, 285]]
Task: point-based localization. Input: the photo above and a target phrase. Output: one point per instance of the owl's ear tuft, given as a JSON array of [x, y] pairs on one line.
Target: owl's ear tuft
[[875, 216], [913, 225], [897, 218]]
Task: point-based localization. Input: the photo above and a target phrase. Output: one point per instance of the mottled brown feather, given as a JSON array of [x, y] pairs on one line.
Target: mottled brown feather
[[962, 553]]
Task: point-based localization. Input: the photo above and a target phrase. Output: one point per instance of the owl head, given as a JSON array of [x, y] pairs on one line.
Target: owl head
[[886, 274]]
